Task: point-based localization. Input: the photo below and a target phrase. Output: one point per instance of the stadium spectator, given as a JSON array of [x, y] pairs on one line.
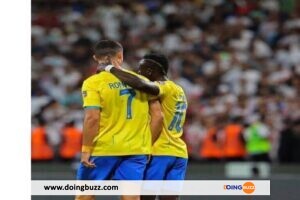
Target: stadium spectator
[[212, 147], [257, 137], [289, 150], [40, 149], [234, 145], [70, 145]]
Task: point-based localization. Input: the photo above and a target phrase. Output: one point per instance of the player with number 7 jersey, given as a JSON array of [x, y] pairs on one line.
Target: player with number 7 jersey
[[124, 127], [118, 124]]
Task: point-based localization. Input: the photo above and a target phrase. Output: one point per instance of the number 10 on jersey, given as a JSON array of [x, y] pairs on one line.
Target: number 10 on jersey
[[176, 121]]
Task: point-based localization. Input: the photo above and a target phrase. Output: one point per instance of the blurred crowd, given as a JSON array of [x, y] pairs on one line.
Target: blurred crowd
[[237, 60]]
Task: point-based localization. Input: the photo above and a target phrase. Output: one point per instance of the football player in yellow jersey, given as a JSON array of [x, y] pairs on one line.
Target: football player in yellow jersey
[[169, 152], [117, 124]]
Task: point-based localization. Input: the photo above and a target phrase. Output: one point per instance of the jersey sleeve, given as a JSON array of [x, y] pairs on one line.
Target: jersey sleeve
[[162, 88], [90, 95]]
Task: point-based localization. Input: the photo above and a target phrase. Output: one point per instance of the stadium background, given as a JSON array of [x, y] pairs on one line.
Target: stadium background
[[235, 59]]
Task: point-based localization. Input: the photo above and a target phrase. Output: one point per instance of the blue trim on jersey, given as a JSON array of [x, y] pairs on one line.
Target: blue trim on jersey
[[92, 107]]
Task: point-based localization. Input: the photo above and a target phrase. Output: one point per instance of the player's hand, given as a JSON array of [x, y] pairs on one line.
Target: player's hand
[[85, 160]]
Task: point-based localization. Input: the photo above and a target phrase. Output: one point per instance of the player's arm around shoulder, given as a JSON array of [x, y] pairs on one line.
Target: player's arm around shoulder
[[157, 117], [135, 81]]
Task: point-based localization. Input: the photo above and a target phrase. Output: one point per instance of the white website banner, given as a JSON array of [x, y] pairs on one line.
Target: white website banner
[[188, 187]]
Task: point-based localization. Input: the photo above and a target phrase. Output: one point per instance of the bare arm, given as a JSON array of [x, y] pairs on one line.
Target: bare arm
[[156, 119], [90, 126], [90, 130], [135, 82]]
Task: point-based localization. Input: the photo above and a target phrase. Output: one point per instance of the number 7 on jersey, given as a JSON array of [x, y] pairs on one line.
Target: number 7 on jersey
[[131, 94]]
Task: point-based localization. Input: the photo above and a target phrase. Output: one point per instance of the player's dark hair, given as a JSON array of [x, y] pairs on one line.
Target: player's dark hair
[[160, 59], [107, 48]]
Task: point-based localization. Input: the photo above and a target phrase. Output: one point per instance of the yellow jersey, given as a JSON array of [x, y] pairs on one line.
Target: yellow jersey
[[174, 105], [124, 119]]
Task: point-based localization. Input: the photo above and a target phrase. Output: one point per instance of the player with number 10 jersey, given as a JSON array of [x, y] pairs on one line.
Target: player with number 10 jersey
[[174, 105], [169, 151]]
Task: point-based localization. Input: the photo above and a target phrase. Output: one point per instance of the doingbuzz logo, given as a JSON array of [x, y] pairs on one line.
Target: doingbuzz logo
[[247, 187]]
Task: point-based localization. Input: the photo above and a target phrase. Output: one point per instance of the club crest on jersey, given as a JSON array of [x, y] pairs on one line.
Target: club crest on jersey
[[84, 93]]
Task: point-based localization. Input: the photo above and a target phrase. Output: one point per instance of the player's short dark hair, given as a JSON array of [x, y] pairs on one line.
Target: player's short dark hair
[[160, 58], [107, 48]]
